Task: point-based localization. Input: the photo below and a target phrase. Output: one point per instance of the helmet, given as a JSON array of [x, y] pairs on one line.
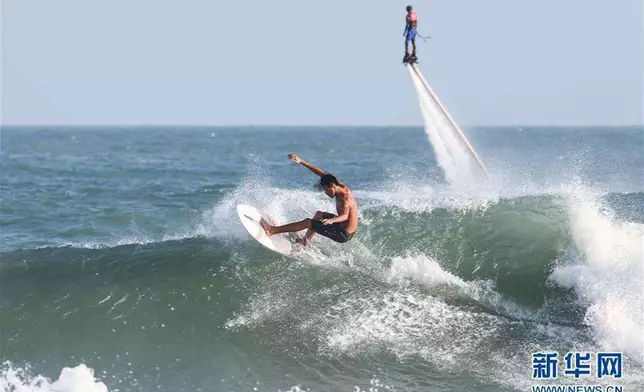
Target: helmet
[[409, 8]]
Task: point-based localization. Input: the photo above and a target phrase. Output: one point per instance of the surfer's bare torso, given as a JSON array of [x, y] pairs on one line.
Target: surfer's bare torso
[[344, 200]]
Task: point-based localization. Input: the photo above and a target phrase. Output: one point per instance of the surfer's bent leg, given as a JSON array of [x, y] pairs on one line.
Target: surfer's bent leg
[[319, 215], [334, 231], [288, 228]]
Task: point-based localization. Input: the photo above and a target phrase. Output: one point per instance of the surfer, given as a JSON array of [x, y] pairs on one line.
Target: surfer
[[411, 20], [340, 227]]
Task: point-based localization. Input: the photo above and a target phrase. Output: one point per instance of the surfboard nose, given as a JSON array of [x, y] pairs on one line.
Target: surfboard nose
[[250, 218]]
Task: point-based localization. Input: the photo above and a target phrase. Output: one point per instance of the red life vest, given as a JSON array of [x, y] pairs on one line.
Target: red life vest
[[413, 19]]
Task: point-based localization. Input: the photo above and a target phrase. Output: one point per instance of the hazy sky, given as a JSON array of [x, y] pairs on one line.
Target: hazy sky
[[222, 62]]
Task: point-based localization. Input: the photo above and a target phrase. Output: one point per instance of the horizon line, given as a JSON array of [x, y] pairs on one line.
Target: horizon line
[[142, 125]]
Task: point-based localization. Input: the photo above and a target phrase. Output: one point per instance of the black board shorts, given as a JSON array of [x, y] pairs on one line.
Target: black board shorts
[[333, 231]]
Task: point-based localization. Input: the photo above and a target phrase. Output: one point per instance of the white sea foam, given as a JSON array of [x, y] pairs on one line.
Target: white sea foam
[[75, 379], [607, 274]]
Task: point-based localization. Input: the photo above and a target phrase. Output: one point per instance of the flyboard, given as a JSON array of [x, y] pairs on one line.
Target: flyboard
[[280, 243]]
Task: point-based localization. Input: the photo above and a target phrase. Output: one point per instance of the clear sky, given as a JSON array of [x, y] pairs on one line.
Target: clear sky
[[288, 62]]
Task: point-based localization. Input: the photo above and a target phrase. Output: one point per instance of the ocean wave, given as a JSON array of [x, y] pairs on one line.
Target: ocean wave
[[479, 286]]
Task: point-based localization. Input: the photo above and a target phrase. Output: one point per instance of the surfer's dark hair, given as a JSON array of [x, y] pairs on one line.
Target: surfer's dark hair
[[328, 179]]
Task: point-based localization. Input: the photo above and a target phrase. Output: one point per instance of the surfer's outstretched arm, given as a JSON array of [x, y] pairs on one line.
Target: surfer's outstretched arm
[[306, 164]]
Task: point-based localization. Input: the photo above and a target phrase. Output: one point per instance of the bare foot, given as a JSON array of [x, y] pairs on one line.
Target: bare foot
[[303, 241], [267, 228]]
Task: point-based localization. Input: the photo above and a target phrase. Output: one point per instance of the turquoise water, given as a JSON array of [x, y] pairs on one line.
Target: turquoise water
[[122, 253]]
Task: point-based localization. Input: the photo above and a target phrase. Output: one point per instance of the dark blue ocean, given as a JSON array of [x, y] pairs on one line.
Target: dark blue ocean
[[124, 266]]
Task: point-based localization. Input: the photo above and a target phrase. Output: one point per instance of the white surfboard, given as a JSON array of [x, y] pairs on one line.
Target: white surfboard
[[250, 218]]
